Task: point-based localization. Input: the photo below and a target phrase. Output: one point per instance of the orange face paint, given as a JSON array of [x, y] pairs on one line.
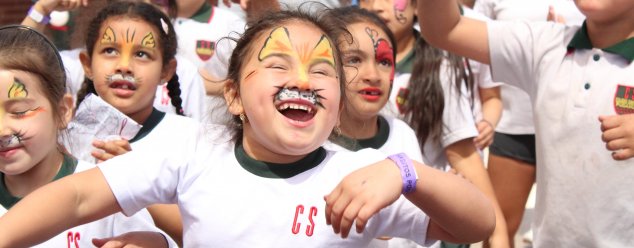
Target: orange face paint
[[279, 43]]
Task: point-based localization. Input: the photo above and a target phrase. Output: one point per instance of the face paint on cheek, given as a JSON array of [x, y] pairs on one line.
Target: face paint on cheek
[[12, 140], [400, 5], [399, 8], [311, 96]]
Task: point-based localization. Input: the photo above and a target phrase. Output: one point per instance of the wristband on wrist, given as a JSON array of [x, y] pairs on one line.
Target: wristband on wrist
[[408, 172], [37, 16]]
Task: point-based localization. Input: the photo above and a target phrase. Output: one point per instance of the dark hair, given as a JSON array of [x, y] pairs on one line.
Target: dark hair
[[352, 14], [426, 101], [24, 49], [149, 14], [266, 22]]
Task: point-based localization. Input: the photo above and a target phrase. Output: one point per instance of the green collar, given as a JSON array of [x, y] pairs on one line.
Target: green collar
[[152, 121], [375, 142], [274, 170], [203, 14], [68, 167], [581, 40]]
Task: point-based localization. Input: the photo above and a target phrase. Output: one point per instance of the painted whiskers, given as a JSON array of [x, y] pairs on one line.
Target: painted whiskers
[[294, 93]]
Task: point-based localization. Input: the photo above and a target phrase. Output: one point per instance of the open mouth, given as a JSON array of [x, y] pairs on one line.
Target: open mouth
[[371, 93], [124, 82], [297, 110], [296, 105]]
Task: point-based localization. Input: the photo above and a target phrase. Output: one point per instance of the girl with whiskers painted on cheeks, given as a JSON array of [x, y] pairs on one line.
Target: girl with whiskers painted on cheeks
[[271, 183]]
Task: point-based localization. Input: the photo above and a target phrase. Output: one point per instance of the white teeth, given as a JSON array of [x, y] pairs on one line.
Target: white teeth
[[125, 86], [286, 106]]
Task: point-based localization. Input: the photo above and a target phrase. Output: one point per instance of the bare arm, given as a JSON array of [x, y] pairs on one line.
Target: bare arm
[[465, 159], [466, 216], [491, 114], [71, 201], [167, 217], [443, 27], [45, 7]]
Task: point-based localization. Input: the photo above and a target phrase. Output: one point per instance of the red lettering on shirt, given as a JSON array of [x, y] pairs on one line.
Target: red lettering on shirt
[[72, 239], [310, 228]]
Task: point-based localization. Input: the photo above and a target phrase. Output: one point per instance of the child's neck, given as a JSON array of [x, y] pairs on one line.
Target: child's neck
[[41, 174], [404, 45], [141, 116], [359, 128], [603, 35], [262, 153]]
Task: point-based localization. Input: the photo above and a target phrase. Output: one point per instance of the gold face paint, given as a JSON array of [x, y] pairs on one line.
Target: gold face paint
[[279, 43], [108, 36], [17, 90], [127, 45], [148, 41]]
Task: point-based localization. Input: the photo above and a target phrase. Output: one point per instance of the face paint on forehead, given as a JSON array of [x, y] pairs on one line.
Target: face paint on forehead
[[279, 43], [382, 48], [17, 90], [311, 96], [108, 36], [148, 41]]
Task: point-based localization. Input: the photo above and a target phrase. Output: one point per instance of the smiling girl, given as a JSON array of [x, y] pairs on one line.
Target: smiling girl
[[266, 187]]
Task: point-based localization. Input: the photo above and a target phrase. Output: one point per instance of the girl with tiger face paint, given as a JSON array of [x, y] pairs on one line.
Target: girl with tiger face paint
[[126, 65]]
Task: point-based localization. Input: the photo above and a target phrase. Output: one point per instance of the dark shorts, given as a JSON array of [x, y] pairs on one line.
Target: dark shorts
[[519, 147]]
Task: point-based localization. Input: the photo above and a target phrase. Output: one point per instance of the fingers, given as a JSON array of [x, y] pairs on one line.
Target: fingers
[[114, 147], [609, 122], [623, 154], [107, 243], [337, 211]]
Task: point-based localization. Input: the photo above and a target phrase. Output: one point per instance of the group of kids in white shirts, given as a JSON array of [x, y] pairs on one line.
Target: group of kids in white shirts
[[305, 154]]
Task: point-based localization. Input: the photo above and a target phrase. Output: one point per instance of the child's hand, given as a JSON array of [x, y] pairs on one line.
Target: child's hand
[[109, 149], [485, 134], [618, 135], [554, 17], [361, 194], [133, 240], [60, 5]]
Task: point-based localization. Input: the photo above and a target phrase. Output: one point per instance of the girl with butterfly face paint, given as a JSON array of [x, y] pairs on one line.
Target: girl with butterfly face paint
[[273, 184]]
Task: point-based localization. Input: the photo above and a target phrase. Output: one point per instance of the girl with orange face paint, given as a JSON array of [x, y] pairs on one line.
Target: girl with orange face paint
[[273, 184]]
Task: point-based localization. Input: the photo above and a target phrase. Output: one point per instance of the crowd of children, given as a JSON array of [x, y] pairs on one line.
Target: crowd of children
[[323, 120]]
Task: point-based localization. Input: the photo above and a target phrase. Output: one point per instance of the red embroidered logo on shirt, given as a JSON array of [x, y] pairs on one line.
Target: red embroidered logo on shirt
[[401, 100], [624, 99], [205, 49], [73, 239], [297, 222]]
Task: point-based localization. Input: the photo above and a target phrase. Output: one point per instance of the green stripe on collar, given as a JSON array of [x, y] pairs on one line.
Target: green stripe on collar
[[406, 64], [274, 170], [204, 13], [69, 164], [376, 142], [152, 121], [581, 40]]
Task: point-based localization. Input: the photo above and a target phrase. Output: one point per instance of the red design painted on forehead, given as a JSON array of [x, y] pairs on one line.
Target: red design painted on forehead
[[382, 49]]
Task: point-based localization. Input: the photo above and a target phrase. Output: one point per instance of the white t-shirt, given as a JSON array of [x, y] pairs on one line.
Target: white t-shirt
[[113, 225], [230, 200], [191, 85], [517, 114], [584, 197]]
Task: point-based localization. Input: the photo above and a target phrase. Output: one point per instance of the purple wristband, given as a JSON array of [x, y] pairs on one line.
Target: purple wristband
[[408, 173]]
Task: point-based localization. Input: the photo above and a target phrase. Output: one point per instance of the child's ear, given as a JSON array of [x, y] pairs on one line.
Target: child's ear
[[86, 63], [168, 70], [66, 110], [232, 97]]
